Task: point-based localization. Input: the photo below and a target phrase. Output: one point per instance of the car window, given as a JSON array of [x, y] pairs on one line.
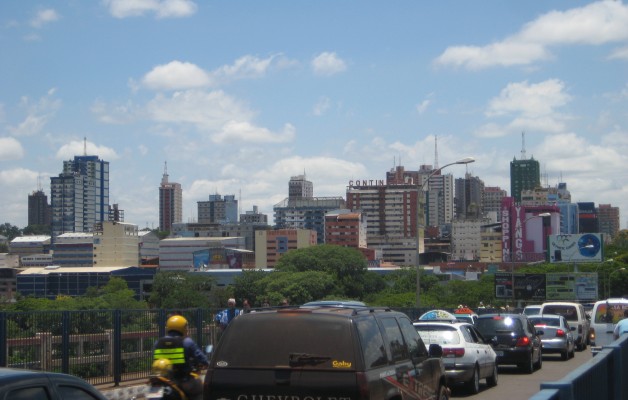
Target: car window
[[29, 393], [569, 312], [442, 335], [545, 321], [74, 393], [246, 342], [398, 349], [490, 326], [372, 343], [415, 344], [471, 334]]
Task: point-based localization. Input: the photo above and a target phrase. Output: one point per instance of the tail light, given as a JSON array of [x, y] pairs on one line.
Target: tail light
[[363, 386], [523, 341], [592, 334], [560, 333], [456, 352]]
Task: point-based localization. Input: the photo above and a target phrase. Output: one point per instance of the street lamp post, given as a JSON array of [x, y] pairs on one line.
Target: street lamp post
[[423, 189], [512, 259]]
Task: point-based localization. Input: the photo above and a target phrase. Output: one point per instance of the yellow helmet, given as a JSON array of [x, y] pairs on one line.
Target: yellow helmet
[[162, 367], [177, 323]]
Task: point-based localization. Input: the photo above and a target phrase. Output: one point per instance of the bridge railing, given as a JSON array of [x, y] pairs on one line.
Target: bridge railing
[[603, 377]]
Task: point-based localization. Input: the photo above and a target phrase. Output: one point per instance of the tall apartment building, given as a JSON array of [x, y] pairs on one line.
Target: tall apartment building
[[170, 203], [80, 195], [492, 201], [218, 210], [38, 208], [466, 239], [299, 188], [525, 174], [394, 222], [469, 197], [608, 217]]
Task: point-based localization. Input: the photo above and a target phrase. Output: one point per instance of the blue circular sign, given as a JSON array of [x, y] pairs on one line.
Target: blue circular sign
[[589, 245]]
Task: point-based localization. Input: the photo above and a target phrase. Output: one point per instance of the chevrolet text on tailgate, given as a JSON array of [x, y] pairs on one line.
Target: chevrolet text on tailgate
[[324, 353]]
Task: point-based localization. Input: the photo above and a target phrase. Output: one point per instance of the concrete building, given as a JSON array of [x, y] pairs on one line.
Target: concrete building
[[270, 245], [466, 239], [525, 174], [38, 209], [80, 195], [23, 246], [8, 260], [170, 202], [490, 245], [392, 214], [8, 284], [74, 250], [608, 220], [469, 197], [116, 244], [492, 201], [254, 217], [148, 246], [218, 210], [300, 188], [36, 260], [199, 253], [588, 220], [306, 213], [348, 229], [215, 230]]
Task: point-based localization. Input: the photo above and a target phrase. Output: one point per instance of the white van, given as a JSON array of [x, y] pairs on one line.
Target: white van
[[604, 316], [576, 316]]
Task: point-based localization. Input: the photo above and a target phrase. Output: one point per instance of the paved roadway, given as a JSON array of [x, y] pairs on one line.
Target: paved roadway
[[515, 385]]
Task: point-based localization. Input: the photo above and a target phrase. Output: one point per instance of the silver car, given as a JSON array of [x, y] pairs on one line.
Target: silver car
[[468, 358], [558, 336]]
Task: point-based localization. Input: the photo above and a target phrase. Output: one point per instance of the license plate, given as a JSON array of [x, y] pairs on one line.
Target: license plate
[[499, 353], [155, 392]]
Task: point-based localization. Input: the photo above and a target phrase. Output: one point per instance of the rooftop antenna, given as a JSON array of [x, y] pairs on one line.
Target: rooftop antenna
[[39, 188], [523, 145], [84, 145], [164, 178], [435, 152]]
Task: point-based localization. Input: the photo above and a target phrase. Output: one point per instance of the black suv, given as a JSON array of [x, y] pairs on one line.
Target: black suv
[[324, 352], [514, 339]]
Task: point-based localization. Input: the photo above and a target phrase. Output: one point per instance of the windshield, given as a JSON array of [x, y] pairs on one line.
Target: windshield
[[438, 335], [491, 326], [569, 312]]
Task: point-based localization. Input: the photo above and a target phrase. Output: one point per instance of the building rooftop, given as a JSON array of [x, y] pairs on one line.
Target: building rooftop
[[57, 269], [34, 238]]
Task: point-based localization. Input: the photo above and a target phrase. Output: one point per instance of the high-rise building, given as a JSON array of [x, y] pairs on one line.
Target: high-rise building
[[608, 220], [80, 195], [300, 210], [271, 245], [218, 210], [392, 214], [469, 197], [525, 174], [299, 188], [38, 208], [588, 221], [492, 201], [170, 202]]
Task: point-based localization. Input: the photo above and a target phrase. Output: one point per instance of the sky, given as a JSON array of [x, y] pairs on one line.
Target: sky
[[236, 97]]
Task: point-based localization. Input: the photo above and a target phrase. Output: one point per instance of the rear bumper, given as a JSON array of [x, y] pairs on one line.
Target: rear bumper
[[513, 356], [459, 373]]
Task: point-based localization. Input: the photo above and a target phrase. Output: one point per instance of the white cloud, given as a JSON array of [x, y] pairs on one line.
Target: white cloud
[[619, 54], [77, 147], [244, 67], [326, 64], [245, 132], [206, 110], [422, 107], [529, 99], [321, 106], [597, 23], [176, 75], [160, 8], [38, 114], [43, 17], [10, 149]]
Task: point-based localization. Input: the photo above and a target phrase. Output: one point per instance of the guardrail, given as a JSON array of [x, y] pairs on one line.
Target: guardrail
[[602, 377]]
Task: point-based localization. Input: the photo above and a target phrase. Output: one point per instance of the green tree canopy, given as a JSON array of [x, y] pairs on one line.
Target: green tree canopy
[[174, 289]]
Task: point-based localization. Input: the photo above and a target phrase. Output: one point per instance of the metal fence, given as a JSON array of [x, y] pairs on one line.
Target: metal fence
[[101, 346]]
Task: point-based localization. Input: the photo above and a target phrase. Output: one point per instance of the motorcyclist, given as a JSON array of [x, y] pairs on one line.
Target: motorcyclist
[[184, 354]]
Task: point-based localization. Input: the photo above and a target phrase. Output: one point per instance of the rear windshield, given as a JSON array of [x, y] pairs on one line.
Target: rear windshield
[[491, 326], [442, 335], [545, 321], [609, 312], [569, 312], [286, 339]]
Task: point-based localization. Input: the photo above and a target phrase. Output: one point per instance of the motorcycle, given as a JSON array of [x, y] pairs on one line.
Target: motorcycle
[[163, 386]]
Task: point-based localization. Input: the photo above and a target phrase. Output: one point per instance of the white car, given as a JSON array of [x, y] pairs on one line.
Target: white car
[[467, 356], [605, 315]]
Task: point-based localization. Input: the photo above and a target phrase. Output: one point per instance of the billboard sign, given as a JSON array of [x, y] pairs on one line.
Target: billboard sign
[[572, 286], [529, 286], [584, 247]]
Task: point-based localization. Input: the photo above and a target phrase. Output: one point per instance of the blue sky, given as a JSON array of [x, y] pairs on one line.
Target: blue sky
[[238, 96]]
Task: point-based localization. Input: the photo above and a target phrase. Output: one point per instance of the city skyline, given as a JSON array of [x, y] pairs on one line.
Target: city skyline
[[238, 98]]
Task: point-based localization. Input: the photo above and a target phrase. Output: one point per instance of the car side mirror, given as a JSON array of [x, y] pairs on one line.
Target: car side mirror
[[435, 350]]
